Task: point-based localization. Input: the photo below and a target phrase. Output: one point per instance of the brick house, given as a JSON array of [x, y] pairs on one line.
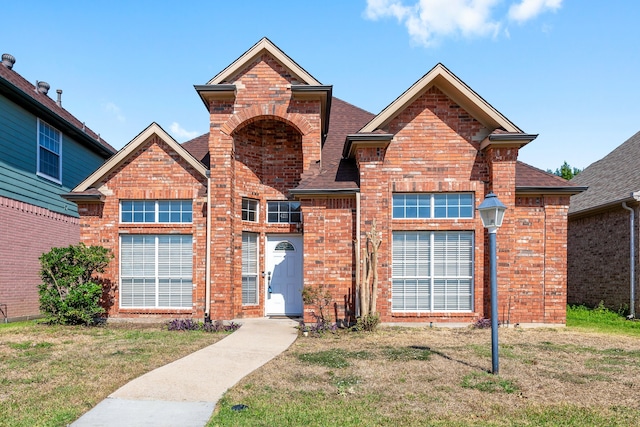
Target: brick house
[[46, 152], [281, 191], [603, 221]]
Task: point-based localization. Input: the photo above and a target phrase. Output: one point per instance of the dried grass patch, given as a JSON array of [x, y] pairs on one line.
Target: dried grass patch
[[541, 369]]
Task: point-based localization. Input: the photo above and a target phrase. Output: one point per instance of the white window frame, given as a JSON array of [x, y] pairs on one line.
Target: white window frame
[[426, 207], [250, 268], [422, 281], [42, 145], [157, 212], [157, 279], [253, 207]]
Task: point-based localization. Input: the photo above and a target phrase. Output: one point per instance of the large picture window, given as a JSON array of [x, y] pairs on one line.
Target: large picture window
[[249, 269], [156, 271], [156, 211], [432, 271], [49, 152], [434, 205]]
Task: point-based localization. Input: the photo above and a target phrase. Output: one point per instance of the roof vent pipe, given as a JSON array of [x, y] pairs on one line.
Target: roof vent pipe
[[42, 87], [8, 60], [59, 101]]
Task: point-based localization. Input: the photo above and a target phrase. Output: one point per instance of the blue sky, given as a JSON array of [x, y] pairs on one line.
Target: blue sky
[[567, 70]]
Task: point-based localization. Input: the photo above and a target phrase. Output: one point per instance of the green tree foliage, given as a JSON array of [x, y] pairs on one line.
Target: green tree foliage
[[565, 171], [70, 294]]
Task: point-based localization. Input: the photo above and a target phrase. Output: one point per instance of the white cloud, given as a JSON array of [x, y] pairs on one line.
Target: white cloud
[[180, 133], [112, 108], [529, 9], [428, 21]]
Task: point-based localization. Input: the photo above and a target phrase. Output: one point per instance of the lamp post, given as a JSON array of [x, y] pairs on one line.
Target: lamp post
[[492, 212]]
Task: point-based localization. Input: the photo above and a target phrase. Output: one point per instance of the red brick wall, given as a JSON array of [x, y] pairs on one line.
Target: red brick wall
[[154, 172], [598, 259], [261, 143], [435, 149], [329, 261], [26, 232]]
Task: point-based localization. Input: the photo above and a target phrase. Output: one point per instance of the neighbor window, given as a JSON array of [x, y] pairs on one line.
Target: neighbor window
[[156, 271], [156, 211], [432, 205], [432, 271], [286, 212], [250, 210], [249, 269], [49, 152]]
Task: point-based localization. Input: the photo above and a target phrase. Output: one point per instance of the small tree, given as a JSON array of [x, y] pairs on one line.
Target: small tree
[[70, 294], [566, 171], [367, 281]]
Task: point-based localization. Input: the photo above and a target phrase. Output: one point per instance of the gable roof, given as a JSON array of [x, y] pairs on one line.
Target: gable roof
[[124, 154], [611, 180], [536, 181], [257, 49], [455, 89], [22, 92]]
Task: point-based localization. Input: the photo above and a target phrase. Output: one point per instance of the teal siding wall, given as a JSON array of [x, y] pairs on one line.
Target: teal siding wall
[[18, 162]]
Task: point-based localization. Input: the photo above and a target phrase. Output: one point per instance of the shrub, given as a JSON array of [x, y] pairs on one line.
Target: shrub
[[318, 328], [482, 323], [367, 323], [70, 294]]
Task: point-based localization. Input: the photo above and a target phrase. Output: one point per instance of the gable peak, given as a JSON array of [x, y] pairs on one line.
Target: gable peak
[[264, 45]]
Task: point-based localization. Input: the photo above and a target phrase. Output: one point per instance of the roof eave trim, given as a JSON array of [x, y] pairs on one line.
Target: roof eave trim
[[549, 190], [51, 116], [601, 208], [507, 140], [353, 141], [210, 92], [79, 197]]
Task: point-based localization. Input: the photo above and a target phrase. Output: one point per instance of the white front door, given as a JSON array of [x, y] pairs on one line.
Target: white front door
[[283, 275]]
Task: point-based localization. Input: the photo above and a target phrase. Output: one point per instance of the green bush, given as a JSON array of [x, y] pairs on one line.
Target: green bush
[[70, 294], [367, 323]]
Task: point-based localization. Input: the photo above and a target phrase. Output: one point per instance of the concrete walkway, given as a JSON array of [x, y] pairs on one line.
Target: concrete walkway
[[184, 393]]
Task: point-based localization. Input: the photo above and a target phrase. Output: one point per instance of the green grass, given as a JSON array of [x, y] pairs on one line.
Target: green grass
[[50, 375], [602, 320]]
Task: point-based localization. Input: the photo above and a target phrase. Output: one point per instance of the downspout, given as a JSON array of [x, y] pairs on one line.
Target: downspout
[[632, 258], [357, 250], [207, 292]]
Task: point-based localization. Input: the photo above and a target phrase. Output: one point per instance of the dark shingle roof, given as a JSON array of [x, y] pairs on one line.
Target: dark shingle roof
[[528, 176], [21, 91], [338, 174], [335, 172], [611, 180], [199, 148]]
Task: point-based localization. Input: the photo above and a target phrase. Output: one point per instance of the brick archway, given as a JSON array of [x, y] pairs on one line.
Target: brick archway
[[266, 111]]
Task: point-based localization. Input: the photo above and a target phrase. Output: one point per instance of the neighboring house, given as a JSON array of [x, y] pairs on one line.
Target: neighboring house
[[45, 152], [282, 190], [603, 222]]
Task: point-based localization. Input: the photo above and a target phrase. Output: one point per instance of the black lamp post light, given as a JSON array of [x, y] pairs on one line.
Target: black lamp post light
[[492, 212]]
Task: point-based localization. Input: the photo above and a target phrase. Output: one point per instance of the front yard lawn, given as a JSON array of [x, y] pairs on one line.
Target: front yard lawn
[[50, 375], [438, 377]]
